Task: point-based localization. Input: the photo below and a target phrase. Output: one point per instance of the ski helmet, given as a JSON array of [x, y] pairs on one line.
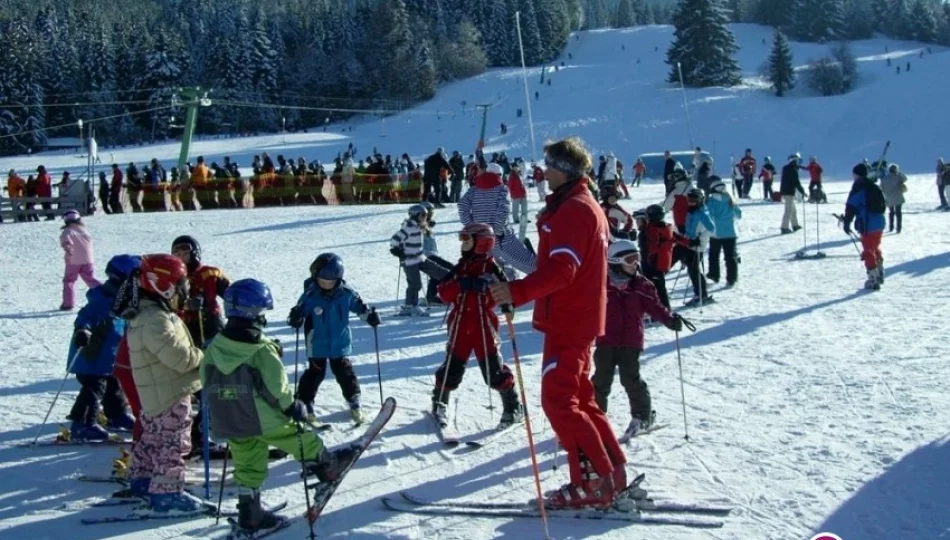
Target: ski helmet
[[768, 159], [417, 210], [795, 157], [696, 196], [193, 246], [640, 214], [332, 269], [247, 299], [716, 184], [71, 216], [319, 263], [120, 267], [655, 213], [619, 253], [430, 208], [482, 234], [164, 275]]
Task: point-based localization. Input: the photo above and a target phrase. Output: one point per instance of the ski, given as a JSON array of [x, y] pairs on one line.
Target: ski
[[113, 440], [494, 435], [240, 534], [626, 437], [143, 514], [526, 511], [273, 454], [323, 491], [190, 481], [813, 256], [709, 300], [446, 434]]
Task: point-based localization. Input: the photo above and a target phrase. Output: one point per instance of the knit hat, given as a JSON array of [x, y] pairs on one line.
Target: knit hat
[[861, 170]]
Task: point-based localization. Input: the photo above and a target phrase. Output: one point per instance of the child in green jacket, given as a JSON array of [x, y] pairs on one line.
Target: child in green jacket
[[253, 406]]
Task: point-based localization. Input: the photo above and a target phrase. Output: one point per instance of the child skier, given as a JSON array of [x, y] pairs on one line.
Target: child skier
[[165, 365], [866, 207], [430, 248], [621, 223], [323, 310], [699, 227], [407, 246], [656, 241], [473, 326], [253, 406], [77, 247], [724, 212], [894, 184], [92, 355], [815, 192], [630, 296], [767, 176]]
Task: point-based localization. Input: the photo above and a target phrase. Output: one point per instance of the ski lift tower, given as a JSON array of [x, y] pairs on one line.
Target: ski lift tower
[[481, 137], [191, 99]]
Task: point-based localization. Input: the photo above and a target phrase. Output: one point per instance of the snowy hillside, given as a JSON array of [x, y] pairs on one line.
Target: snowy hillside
[[612, 93], [812, 405]]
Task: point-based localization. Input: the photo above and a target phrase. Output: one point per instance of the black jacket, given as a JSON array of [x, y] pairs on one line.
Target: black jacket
[[432, 165], [790, 180]]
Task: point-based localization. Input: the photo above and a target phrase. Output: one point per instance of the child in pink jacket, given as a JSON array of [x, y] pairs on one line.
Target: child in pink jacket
[[77, 243]]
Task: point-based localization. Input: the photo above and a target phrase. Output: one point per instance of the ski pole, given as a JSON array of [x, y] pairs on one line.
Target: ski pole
[[804, 224], [303, 459], [206, 441], [379, 370], [398, 281], [224, 474], [453, 333], [527, 422], [56, 397], [679, 361], [484, 366]]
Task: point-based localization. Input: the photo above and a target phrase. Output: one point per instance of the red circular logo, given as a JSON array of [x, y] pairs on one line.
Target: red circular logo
[[826, 536]]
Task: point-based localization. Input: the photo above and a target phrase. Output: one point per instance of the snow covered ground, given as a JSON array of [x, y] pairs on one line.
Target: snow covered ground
[[812, 405]]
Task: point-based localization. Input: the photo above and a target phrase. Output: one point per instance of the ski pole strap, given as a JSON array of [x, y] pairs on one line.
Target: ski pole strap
[[688, 325]]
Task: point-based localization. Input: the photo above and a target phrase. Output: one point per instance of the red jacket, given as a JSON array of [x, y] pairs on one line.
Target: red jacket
[[538, 175], [570, 283], [471, 269], [680, 212], [516, 186], [626, 306], [209, 283], [747, 166], [44, 185], [814, 172]]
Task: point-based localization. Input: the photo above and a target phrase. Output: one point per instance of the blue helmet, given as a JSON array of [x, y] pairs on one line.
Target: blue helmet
[[332, 268], [247, 299], [121, 267]]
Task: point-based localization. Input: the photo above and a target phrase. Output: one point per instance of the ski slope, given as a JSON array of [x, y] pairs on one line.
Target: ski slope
[[812, 405]]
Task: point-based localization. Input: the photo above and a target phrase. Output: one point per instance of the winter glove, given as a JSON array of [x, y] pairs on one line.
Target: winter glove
[[431, 223], [475, 285], [676, 324], [398, 253], [847, 228], [295, 318], [694, 242], [297, 411], [195, 304], [372, 318], [81, 337], [280, 348]]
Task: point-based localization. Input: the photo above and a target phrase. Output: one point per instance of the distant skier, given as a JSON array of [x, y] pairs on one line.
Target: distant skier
[[747, 166], [767, 175], [724, 212], [630, 296], [866, 207], [894, 184], [790, 186], [815, 192], [78, 254]]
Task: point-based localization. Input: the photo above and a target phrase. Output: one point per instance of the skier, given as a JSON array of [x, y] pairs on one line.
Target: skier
[[699, 227], [618, 220], [96, 340], [676, 200], [570, 301], [704, 173], [866, 207], [789, 187], [407, 246], [519, 197], [488, 203], [78, 254], [323, 311], [165, 365], [253, 406], [540, 182], [767, 176], [747, 166], [430, 248], [943, 183], [630, 296], [657, 240], [432, 180], [473, 326], [639, 169], [815, 192], [724, 212], [894, 184]]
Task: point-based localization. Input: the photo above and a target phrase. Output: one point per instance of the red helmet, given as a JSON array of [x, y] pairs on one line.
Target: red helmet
[[483, 235], [163, 274]]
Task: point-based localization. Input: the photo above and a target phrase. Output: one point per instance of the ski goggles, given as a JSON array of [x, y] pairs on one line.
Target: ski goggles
[[627, 258], [181, 248]]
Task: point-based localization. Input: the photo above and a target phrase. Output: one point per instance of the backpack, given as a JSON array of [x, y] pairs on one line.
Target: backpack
[[660, 246], [874, 198]]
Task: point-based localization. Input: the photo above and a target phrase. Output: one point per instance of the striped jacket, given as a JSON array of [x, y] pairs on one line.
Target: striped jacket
[[409, 239], [487, 203]]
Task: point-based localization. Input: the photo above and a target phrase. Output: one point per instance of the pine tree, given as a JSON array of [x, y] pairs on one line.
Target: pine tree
[[923, 23], [22, 116], [819, 20], [423, 75], [501, 42], [860, 23], [158, 82], [646, 14], [530, 35], [554, 27], [626, 16], [703, 45], [596, 15], [900, 20], [781, 66], [736, 10], [881, 11], [775, 13]]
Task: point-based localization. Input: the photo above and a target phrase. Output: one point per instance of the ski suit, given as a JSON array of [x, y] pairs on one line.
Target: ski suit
[[78, 255]]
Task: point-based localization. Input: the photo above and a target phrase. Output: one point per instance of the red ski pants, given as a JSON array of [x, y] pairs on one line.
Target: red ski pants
[[481, 339], [567, 397], [871, 242]]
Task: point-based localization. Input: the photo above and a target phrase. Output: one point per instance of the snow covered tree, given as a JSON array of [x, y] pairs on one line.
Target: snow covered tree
[[500, 39], [781, 66], [158, 82], [923, 23], [818, 20], [860, 21], [554, 27], [881, 11], [645, 14], [626, 16], [423, 75], [736, 10], [596, 15], [464, 57], [530, 34], [775, 13], [899, 24], [22, 116], [703, 45]]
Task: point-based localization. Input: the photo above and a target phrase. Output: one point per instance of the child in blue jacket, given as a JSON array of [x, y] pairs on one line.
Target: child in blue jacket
[[92, 356], [724, 212], [323, 310]]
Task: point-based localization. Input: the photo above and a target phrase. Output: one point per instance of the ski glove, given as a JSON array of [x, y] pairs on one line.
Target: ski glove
[[195, 304], [475, 285], [295, 318], [372, 318], [297, 411], [81, 337], [847, 228], [694, 242], [398, 253], [676, 324]]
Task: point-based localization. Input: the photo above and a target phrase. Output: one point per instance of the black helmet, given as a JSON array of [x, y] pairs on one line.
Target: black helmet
[[697, 196], [655, 213], [192, 245]]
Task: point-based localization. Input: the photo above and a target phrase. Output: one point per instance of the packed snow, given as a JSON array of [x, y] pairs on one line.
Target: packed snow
[[812, 405]]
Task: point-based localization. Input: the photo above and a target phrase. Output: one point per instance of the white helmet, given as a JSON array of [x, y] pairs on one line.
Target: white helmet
[[495, 168], [619, 250]]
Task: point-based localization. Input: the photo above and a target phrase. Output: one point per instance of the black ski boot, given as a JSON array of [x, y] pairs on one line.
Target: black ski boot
[[331, 463], [440, 407], [512, 411], [251, 515]]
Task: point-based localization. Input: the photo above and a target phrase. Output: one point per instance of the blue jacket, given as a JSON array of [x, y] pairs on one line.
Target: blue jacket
[[698, 224], [724, 213], [97, 358], [327, 325], [857, 207]]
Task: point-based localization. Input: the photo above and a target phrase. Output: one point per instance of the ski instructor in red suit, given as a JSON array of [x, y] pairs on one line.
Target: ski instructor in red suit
[[569, 289]]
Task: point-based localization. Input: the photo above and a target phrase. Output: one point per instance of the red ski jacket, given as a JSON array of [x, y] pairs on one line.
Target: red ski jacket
[[477, 270], [516, 186], [569, 286], [626, 306]]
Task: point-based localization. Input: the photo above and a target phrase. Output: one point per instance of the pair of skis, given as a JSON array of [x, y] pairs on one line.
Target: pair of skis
[[450, 438], [632, 506]]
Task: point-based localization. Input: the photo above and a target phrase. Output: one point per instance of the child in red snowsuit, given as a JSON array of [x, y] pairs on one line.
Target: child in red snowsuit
[[473, 326]]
